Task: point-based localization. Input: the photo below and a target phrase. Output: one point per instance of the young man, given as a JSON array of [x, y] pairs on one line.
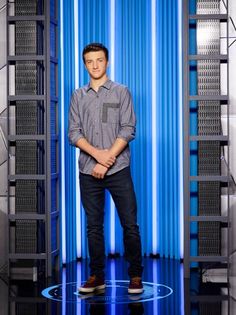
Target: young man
[[101, 124]]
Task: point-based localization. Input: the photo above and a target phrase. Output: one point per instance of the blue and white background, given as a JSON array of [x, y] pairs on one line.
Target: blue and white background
[[144, 39]]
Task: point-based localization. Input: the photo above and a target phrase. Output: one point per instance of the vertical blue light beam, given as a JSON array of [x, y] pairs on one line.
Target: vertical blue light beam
[[77, 151], [181, 202], [154, 131], [63, 218], [112, 76]]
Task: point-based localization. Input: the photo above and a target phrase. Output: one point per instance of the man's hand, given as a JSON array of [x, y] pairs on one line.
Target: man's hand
[[99, 171], [105, 158]]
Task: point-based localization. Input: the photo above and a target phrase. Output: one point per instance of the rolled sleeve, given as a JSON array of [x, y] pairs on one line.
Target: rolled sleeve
[[75, 131], [127, 127]]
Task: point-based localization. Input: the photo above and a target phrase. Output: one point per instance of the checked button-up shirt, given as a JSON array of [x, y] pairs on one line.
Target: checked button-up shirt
[[102, 117]]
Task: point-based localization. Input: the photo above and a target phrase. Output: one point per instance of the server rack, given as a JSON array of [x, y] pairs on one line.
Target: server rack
[[33, 207], [206, 172]]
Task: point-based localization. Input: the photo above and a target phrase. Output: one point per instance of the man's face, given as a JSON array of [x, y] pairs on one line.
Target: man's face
[[96, 64]]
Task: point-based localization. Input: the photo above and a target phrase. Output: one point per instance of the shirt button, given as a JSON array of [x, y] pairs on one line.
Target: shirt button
[[96, 133]]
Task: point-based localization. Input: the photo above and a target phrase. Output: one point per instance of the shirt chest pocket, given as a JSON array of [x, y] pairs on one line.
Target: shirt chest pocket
[[110, 113]]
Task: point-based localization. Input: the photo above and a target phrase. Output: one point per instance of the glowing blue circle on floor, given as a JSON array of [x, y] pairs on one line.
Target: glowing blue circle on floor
[[116, 292]]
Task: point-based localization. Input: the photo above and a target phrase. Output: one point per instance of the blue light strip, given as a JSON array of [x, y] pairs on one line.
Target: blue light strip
[[155, 280], [112, 76], [63, 289], [113, 289], [154, 131], [77, 151], [180, 102], [62, 192], [112, 39], [78, 279]]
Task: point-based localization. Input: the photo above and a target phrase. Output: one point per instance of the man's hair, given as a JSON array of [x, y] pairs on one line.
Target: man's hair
[[95, 47]]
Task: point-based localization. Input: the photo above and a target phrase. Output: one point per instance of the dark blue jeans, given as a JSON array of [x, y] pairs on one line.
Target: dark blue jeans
[[120, 186]]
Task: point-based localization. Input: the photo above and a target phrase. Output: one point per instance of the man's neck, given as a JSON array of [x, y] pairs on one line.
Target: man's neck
[[95, 84]]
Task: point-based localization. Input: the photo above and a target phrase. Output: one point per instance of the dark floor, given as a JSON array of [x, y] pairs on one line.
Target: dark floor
[[165, 293]]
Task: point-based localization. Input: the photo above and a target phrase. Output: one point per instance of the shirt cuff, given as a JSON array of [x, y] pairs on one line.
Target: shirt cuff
[[128, 134], [74, 139]]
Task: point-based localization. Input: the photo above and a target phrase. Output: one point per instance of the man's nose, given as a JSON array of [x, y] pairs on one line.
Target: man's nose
[[95, 65]]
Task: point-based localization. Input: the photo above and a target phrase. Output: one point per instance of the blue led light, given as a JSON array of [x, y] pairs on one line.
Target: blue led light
[[180, 96], [77, 151], [154, 132], [152, 291], [62, 190]]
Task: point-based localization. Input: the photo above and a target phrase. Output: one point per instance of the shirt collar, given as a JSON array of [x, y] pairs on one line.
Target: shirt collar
[[106, 85]]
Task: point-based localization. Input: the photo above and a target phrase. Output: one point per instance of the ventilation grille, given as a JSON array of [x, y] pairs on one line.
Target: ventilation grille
[[26, 157], [208, 204], [26, 236], [25, 7], [26, 196]]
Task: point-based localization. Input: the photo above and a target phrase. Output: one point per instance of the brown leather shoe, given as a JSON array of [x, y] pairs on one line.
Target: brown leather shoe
[[135, 285], [92, 284]]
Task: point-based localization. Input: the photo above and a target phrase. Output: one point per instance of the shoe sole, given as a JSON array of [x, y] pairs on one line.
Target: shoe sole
[[135, 291], [91, 290], [84, 296]]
